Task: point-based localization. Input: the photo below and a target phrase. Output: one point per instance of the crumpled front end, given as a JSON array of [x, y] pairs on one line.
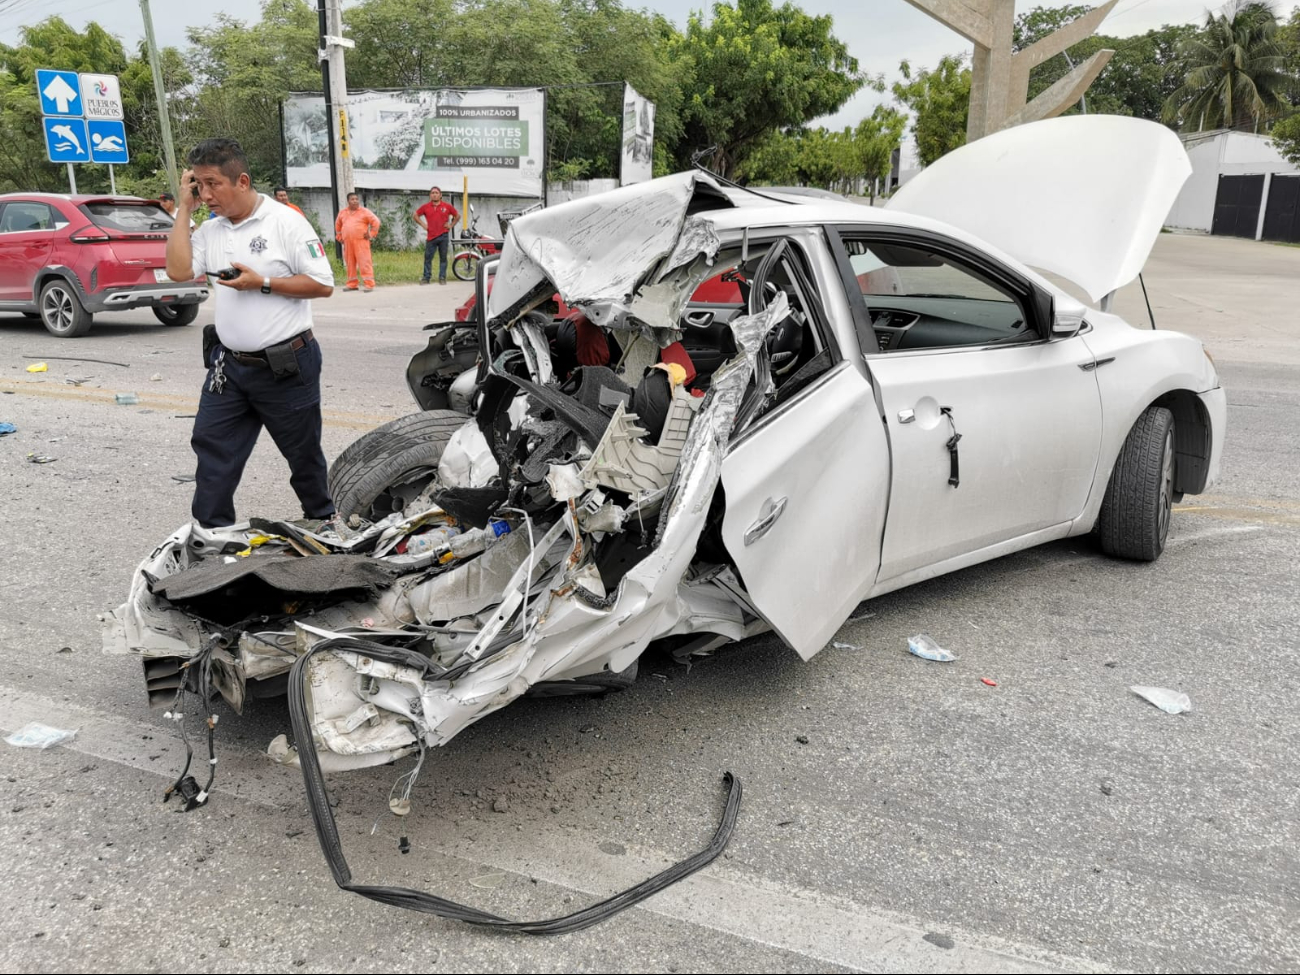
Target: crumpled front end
[[560, 538]]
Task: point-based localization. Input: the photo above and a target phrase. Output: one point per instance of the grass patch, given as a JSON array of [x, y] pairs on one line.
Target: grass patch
[[393, 267]]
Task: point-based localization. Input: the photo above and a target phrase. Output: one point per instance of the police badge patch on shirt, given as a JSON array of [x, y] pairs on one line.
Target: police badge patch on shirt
[[257, 244]]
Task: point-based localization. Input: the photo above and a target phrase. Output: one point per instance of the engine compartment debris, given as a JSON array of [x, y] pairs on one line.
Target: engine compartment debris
[[557, 532]]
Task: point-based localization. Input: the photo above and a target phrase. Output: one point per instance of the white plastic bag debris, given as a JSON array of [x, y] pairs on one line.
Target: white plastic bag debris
[[565, 481], [838, 645], [37, 735], [467, 460], [1171, 702], [922, 646]]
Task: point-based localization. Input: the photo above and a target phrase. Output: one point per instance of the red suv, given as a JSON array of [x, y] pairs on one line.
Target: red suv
[[65, 258]]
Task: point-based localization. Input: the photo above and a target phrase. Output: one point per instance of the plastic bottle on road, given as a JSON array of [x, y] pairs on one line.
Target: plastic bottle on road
[[434, 540], [477, 539]]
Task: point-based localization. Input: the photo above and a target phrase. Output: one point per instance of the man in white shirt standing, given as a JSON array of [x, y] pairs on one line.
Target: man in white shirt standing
[[263, 362]]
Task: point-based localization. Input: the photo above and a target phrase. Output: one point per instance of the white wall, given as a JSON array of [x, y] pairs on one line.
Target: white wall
[[1226, 154]]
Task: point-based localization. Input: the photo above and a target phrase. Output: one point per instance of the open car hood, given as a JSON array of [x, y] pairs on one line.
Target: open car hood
[[1083, 197]]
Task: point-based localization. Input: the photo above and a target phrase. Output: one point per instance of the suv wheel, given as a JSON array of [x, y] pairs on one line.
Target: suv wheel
[[62, 312], [175, 314]]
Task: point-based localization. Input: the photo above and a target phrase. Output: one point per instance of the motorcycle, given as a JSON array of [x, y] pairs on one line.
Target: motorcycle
[[471, 247]]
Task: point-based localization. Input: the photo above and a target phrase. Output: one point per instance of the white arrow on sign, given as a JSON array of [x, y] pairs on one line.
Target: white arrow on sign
[[60, 92]]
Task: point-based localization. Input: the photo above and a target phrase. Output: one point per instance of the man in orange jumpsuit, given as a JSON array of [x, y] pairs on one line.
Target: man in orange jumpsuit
[[356, 227]]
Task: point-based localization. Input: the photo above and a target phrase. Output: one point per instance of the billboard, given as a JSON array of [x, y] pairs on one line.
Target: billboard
[[418, 138], [638, 137]]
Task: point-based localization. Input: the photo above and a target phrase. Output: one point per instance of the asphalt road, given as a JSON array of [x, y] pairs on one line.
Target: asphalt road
[[899, 815]]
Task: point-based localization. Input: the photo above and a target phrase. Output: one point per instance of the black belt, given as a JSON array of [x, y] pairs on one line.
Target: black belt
[[259, 358]]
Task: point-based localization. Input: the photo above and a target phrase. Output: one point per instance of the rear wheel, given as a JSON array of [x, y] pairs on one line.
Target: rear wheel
[[465, 265], [1135, 515], [62, 312], [176, 314], [383, 470]]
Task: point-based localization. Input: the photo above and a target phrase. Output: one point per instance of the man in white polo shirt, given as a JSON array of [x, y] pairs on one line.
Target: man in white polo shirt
[[263, 362]]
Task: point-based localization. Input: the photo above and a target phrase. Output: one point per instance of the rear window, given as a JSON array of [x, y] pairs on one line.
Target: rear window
[[131, 218]]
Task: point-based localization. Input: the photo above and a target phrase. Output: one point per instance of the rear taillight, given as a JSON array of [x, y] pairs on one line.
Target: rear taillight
[[89, 234]]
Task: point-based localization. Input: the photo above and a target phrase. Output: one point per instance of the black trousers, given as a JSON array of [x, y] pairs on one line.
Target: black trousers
[[228, 424]]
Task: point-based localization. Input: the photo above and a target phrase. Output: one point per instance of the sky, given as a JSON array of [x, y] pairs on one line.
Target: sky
[[879, 33]]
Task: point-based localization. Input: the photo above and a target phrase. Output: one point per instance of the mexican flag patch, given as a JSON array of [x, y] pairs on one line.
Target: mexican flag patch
[[315, 248]]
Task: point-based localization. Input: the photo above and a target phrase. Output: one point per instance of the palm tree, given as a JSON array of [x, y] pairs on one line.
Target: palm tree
[[1233, 71]]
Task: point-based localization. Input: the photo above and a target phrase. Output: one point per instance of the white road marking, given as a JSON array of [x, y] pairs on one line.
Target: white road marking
[[722, 898]]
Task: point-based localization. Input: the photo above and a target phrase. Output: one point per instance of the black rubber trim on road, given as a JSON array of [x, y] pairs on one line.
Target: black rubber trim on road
[[415, 900]]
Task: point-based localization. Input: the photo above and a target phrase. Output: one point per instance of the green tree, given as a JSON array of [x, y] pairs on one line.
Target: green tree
[[875, 139], [1286, 137], [400, 44], [49, 44], [753, 69], [1035, 24], [244, 73], [612, 44], [939, 100], [773, 161], [1233, 72]]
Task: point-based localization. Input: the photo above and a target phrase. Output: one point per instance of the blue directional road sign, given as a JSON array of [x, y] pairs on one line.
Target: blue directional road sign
[[107, 141], [65, 140], [60, 92]]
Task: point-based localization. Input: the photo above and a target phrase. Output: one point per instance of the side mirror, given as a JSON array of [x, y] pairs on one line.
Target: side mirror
[[1068, 317]]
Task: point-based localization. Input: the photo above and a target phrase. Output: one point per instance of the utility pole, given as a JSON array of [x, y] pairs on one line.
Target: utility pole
[[335, 85], [164, 118]]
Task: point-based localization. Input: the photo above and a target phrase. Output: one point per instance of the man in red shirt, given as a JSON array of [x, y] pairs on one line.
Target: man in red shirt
[[436, 217]]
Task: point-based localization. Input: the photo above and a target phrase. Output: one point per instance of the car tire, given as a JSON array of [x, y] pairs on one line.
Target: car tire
[[62, 312], [176, 314], [1135, 514], [398, 453], [465, 265]]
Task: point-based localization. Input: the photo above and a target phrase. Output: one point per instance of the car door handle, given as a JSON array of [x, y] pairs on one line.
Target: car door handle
[[906, 416], [772, 510]]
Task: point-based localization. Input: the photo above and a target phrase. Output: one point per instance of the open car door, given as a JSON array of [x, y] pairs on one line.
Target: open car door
[[807, 485]]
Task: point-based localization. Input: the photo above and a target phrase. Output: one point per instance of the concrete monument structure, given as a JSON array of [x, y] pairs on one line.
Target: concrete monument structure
[[1000, 76]]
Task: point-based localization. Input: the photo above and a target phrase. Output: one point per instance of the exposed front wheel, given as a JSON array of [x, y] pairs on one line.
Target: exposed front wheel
[[383, 470], [1135, 515], [62, 312]]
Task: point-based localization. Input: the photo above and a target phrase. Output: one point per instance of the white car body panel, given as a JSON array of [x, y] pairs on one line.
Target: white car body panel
[[867, 504], [826, 541], [1081, 196], [1030, 425]]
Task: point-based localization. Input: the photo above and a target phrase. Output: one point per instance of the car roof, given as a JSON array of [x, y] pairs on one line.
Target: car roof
[[763, 213]]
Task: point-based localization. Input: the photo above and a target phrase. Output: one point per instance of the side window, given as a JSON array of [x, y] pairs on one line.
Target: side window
[[798, 349], [18, 217], [921, 299]]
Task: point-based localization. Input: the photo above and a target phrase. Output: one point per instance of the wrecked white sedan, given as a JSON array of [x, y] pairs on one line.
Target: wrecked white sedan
[[879, 396]]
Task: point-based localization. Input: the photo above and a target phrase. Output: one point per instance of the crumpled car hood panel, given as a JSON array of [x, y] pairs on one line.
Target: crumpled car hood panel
[[587, 248]]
